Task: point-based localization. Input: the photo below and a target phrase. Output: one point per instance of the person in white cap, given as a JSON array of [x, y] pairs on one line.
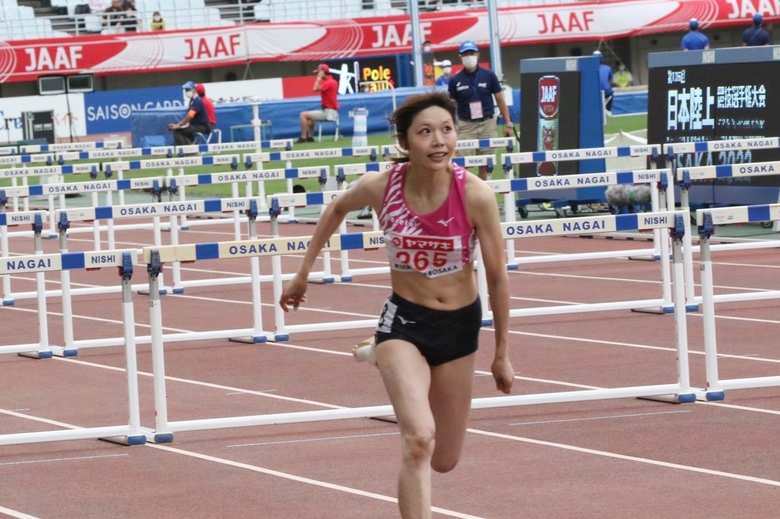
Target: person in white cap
[[446, 73], [756, 36], [694, 39]]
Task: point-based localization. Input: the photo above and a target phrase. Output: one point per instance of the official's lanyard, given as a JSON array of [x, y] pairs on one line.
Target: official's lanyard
[[474, 92]]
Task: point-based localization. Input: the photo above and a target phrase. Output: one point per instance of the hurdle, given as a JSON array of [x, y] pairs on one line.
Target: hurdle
[[706, 220], [70, 146], [255, 334], [678, 391], [513, 159], [654, 177], [11, 219], [130, 433], [24, 173], [685, 175], [289, 156]]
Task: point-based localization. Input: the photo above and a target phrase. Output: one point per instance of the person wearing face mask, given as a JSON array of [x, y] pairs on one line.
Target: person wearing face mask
[[446, 73], [157, 23], [623, 77], [474, 89], [195, 121]]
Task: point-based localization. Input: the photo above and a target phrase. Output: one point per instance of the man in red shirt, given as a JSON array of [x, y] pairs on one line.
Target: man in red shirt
[[328, 88], [211, 113]]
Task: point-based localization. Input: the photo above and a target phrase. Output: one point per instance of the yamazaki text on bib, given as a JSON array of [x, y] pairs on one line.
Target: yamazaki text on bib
[[429, 255]]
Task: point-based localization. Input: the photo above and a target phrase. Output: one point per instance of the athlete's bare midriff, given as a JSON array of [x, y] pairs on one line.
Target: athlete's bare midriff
[[448, 292]]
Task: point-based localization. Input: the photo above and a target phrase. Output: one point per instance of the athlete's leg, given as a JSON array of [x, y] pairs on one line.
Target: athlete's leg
[[407, 377], [450, 398]]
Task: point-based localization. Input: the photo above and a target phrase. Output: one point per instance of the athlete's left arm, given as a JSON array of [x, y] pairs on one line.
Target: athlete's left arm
[[483, 211]]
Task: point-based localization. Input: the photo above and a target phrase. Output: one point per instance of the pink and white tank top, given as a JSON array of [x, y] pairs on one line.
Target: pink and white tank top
[[433, 244]]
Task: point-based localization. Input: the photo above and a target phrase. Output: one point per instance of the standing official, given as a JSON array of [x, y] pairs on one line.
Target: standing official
[[473, 89], [694, 39], [756, 36]]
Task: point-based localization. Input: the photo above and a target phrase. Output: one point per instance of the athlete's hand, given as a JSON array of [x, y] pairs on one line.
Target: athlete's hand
[[509, 131], [503, 374], [294, 293]]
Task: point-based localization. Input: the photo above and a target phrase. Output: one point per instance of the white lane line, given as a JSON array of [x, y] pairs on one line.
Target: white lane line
[[274, 473], [624, 457], [14, 513], [742, 408], [591, 418], [327, 438], [80, 458], [226, 389], [300, 479]]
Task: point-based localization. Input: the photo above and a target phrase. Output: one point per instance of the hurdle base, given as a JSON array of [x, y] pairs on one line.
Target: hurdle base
[[487, 322], [249, 339], [710, 395], [321, 280], [155, 437], [680, 398], [388, 419], [346, 279], [660, 310], [279, 337], [127, 441], [163, 292], [650, 257], [37, 354], [61, 351], [8, 302], [513, 266]]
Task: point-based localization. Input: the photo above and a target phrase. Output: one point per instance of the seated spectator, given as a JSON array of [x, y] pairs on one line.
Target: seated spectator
[[328, 88], [114, 15], [194, 121], [96, 6], [157, 23], [130, 22], [209, 104]]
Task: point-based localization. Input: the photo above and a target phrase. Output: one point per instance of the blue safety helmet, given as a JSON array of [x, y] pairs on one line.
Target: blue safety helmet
[[189, 85], [468, 45], [757, 19], [693, 24]]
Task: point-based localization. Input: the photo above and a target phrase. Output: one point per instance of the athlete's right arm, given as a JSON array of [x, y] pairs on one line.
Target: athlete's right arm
[[368, 190]]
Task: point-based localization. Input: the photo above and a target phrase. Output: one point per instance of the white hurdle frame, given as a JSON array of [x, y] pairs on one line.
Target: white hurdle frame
[[706, 220], [678, 391], [14, 219], [654, 177], [131, 433], [686, 175]]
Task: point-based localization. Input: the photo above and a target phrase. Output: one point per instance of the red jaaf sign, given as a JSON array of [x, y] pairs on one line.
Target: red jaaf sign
[[315, 41]]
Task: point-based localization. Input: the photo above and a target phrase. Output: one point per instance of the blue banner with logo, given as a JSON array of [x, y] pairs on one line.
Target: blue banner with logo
[[109, 112]]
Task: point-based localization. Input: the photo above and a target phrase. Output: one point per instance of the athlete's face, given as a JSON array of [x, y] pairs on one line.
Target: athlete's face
[[431, 138]]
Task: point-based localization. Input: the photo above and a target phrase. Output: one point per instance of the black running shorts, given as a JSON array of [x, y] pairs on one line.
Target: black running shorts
[[440, 335]]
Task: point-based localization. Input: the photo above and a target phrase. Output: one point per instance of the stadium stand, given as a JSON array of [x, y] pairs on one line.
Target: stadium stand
[[58, 18]]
